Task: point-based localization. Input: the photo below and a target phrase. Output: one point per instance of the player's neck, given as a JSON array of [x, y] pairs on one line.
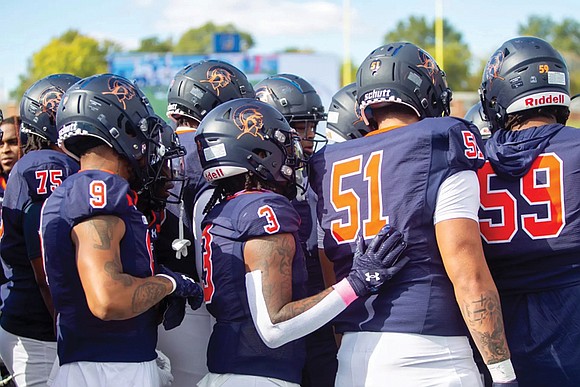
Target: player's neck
[[105, 158], [402, 120], [535, 121]]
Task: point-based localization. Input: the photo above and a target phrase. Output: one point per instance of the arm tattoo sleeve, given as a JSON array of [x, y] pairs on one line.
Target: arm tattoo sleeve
[[485, 322]]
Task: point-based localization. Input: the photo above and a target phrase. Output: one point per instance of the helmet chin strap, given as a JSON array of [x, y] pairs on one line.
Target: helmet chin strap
[[180, 244]]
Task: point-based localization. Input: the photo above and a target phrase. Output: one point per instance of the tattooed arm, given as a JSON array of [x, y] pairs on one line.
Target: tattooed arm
[[460, 246], [112, 294], [273, 256]]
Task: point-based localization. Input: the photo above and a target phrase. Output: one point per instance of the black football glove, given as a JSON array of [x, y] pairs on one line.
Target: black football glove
[[372, 267]]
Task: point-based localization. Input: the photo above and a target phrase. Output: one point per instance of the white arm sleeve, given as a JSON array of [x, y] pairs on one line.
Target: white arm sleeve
[[276, 335], [458, 197]]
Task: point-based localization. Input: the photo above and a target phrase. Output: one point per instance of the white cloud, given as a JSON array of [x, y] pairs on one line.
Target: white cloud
[[258, 17]]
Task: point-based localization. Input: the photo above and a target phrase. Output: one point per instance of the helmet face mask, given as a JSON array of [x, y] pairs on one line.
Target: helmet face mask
[[39, 105], [405, 74], [111, 110], [201, 86], [246, 135], [524, 73]]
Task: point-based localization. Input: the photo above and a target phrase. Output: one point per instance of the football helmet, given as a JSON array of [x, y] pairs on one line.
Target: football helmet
[[201, 86], [476, 116], [402, 73], [524, 73], [39, 104], [293, 96], [247, 135], [109, 109], [344, 121]]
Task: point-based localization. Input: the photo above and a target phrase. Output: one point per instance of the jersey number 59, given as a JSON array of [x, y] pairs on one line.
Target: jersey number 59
[[541, 188]]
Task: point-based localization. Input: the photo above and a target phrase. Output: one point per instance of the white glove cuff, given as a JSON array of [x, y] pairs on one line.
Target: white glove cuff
[[170, 279], [502, 372]]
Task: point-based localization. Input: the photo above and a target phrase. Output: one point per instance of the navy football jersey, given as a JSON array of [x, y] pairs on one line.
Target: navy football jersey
[[393, 176], [81, 335], [235, 346], [32, 180], [529, 208]]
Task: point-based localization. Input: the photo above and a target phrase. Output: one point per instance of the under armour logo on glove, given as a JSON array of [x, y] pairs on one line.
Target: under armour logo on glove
[[370, 277], [383, 257]]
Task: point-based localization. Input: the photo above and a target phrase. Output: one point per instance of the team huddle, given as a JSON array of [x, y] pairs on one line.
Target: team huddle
[[238, 246]]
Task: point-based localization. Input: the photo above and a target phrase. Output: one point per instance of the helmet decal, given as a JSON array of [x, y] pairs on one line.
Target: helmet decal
[[123, 90], [375, 66], [49, 101], [428, 63], [494, 66], [218, 78], [249, 120]]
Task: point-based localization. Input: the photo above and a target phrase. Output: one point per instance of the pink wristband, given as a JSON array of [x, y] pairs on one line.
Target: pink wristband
[[345, 291]]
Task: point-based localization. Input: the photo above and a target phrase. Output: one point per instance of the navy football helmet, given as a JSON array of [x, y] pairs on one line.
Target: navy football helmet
[[402, 73], [293, 96], [476, 116], [524, 73], [201, 86], [344, 121], [246, 135], [109, 109], [39, 105]]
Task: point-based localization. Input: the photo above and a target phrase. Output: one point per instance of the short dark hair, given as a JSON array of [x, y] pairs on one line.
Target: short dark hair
[[560, 113]]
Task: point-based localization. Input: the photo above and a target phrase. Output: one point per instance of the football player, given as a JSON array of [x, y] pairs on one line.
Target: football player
[[301, 106], [194, 91], [254, 269], [416, 170], [529, 206], [476, 116], [97, 248], [27, 337], [344, 121]]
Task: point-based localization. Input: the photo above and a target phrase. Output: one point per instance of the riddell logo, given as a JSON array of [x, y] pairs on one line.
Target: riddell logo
[[547, 99], [213, 174]]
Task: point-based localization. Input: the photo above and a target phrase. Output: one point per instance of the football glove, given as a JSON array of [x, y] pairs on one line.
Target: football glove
[[183, 286], [174, 312], [372, 267]]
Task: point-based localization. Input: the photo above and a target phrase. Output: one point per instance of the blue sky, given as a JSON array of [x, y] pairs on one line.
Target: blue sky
[[29, 25]]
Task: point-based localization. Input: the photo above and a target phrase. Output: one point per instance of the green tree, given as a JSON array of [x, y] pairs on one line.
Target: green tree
[[456, 53], [563, 36], [200, 40], [71, 53], [154, 44]]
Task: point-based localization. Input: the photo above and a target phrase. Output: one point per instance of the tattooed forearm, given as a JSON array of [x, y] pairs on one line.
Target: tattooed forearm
[[147, 295], [295, 308], [102, 232], [484, 319]]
